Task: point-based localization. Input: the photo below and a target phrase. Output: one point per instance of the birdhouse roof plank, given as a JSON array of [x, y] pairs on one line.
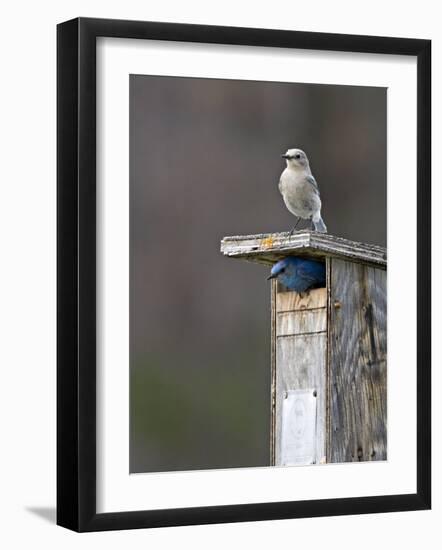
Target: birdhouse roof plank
[[268, 248]]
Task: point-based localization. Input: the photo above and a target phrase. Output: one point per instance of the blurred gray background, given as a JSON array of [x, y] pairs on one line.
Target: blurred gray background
[[205, 163]]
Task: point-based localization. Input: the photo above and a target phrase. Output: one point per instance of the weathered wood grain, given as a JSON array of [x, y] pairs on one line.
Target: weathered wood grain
[[357, 363], [291, 323], [268, 248], [300, 358], [290, 301]]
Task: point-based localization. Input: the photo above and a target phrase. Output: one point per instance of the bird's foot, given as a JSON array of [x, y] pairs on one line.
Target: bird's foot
[[294, 227]]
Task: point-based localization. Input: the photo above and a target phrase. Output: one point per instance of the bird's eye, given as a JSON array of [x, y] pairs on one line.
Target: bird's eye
[[297, 156], [282, 270]]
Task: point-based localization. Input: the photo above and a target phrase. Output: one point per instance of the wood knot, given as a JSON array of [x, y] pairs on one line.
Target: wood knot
[[337, 304]]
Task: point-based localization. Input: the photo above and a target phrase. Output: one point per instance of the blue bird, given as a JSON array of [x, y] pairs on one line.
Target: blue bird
[[299, 274]]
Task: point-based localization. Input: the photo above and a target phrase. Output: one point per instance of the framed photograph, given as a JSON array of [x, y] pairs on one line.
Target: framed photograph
[[243, 274]]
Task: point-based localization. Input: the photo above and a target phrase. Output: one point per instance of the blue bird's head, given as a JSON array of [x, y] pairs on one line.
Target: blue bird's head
[[299, 274], [279, 268]]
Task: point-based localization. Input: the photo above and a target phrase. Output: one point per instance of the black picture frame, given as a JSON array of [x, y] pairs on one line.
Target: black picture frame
[[76, 274]]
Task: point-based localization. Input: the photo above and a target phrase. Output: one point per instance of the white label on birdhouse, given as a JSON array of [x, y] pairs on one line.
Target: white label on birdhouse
[[298, 439]]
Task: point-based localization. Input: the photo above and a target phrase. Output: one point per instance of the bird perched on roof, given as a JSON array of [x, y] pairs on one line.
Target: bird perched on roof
[[299, 274], [300, 190]]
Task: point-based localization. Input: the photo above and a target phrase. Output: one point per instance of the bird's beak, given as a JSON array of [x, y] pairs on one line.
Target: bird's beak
[[271, 277], [284, 156]]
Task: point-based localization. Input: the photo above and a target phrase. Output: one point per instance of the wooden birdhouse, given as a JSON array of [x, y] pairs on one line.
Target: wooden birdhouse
[[329, 345]]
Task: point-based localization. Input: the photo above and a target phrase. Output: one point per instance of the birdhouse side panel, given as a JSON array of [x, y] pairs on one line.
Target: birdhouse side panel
[[358, 362]]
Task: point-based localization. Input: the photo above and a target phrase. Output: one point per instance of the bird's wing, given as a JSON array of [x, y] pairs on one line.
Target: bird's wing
[[306, 275], [311, 271], [312, 180]]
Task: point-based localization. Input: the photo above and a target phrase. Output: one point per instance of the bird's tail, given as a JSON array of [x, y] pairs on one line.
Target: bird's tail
[[320, 225]]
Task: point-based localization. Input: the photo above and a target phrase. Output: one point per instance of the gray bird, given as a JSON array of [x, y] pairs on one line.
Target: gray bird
[[300, 190]]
